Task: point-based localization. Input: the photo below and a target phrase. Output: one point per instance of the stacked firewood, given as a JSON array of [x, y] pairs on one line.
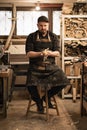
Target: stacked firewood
[[75, 48], [79, 8], [75, 27], [74, 8]]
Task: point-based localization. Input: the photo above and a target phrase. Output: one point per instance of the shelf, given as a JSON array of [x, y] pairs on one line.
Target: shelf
[[70, 57], [74, 16], [74, 38], [70, 95], [74, 77], [15, 39]]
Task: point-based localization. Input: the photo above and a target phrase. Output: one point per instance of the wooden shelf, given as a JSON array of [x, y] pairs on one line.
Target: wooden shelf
[[69, 24], [74, 77], [71, 96]]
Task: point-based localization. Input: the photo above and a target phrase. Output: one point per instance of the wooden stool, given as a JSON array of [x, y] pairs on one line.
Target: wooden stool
[[47, 108]]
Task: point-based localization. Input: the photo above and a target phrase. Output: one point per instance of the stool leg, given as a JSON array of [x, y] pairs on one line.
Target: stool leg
[[12, 86], [57, 110], [47, 113], [29, 104]]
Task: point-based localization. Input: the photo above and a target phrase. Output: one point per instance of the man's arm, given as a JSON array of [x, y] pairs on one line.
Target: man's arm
[[33, 54], [30, 47], [51, 53]]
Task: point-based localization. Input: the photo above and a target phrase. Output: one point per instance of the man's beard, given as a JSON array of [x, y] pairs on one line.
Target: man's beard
[[43, 32]]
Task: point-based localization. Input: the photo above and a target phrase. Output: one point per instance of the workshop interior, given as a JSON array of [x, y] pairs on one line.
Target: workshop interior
[[68, 20]]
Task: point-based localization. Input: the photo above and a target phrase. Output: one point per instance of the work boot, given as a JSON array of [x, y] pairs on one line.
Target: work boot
[[40, 107], [50, 105]]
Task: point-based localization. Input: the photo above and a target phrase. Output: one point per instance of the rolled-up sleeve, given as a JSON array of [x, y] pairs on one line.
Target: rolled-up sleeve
[[29, 43]]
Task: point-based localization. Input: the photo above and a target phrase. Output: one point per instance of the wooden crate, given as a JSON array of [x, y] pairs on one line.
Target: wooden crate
[[73, 69]]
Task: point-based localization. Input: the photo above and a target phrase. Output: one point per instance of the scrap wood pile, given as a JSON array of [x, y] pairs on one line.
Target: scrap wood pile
[[75, 48], [75, 28], [74, 8]]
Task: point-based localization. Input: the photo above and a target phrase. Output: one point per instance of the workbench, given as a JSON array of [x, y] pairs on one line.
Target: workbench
[[19, 72], [4, 76]]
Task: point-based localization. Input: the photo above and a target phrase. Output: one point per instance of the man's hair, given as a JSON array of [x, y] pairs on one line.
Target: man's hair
[[43, 19]]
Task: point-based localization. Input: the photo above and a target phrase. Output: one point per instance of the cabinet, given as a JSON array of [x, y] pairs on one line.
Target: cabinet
[[84, 89], [74, 46]]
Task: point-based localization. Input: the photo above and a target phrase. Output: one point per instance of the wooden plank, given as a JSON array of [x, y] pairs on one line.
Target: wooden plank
[[18, 58]]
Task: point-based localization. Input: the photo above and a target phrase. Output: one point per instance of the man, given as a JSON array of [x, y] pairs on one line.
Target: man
[[42, 47]]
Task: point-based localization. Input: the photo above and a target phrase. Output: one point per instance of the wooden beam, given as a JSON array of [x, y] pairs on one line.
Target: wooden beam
[[35, 1], [50, 5]]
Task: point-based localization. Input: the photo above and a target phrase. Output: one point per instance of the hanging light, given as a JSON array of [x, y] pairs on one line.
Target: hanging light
[[38, 6]]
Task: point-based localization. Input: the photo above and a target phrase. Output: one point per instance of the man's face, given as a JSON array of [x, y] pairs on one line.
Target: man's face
[[43, 27]]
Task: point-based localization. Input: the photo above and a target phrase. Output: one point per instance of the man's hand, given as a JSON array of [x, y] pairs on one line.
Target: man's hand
[[48, 52], [45, 52]]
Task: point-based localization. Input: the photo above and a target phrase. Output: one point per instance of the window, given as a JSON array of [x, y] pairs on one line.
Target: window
[[5, 22], [56, 22], [27, 21]]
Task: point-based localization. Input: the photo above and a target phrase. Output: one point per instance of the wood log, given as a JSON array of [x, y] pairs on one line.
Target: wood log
[[12, 29]]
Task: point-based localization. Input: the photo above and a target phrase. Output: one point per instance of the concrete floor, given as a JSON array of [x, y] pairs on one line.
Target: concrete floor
[[74, 111], [69, 118]]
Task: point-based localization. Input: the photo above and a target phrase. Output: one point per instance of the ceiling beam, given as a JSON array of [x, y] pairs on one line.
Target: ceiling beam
[[35, 1], [32, 3]]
